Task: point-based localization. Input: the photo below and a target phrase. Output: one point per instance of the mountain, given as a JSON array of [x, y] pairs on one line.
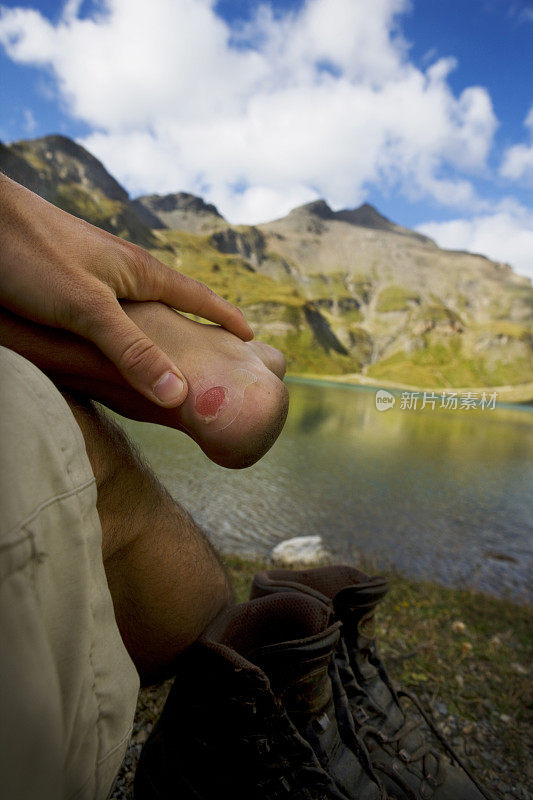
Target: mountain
[[69, 176], [182, 211], [339, 292]]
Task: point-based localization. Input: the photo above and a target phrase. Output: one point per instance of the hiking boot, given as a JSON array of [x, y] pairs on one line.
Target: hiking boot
[[251, 714], [405, 757]]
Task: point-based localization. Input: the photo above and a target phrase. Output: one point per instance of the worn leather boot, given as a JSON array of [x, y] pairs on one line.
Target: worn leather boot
[[405, 756], [252, 713]]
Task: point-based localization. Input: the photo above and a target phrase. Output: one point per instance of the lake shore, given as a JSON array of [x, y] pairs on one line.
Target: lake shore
[[521, 393], [464, 654]]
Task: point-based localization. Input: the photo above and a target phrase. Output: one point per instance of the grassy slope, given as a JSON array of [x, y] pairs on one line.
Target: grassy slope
[[443, 365], [441, 362]]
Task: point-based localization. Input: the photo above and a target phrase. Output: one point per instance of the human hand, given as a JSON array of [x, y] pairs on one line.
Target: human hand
[[235, 434], [62, 272]]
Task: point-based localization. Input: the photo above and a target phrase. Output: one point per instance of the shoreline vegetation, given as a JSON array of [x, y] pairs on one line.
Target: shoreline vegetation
[[519, 394], [465, 654]]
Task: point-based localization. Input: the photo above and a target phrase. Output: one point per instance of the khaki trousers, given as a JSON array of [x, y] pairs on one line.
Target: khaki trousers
[[68, 687]]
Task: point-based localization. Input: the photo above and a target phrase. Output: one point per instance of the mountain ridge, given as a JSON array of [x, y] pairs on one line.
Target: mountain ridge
[[340, 292]]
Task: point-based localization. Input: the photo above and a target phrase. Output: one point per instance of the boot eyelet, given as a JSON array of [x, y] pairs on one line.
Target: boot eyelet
[[321, 724], [360, 715], [263, 746], [404, 755]]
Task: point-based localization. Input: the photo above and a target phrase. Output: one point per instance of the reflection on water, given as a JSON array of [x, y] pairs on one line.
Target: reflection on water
[[439, 494]]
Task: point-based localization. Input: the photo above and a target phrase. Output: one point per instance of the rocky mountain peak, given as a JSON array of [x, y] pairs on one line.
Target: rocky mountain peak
[[317, 208], [179, 210], [179, 201], [58, 159], [366, 216]]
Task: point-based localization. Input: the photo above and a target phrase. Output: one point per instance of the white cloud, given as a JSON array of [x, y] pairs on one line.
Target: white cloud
[[526, 15], [30, 123], [504, 235], [320, 102], [517, 162]]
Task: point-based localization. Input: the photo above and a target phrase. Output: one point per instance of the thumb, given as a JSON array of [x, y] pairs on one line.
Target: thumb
[[141, 362]]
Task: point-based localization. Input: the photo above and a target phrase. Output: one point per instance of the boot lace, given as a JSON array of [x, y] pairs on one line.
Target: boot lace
[[422, 752], [281, 756], [442, 739]]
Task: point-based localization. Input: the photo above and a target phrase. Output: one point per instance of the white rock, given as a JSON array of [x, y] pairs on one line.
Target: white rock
[[305, 551]]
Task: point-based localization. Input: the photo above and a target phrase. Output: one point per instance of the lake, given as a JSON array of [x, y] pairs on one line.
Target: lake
[[439, 494]]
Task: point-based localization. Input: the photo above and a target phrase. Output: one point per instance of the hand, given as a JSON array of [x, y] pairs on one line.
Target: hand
[[63, 272], [251, 419]]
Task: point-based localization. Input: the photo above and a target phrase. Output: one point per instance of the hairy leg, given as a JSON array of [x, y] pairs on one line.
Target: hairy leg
[[164, 576]]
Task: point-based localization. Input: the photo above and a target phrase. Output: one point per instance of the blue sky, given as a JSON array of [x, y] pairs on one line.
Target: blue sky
[[417, 107]]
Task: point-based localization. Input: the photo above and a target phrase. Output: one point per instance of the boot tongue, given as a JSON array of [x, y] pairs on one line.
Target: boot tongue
[[300, 673], [272, 620], [355, 605], [290, 663], [321, 582], [286, 635]]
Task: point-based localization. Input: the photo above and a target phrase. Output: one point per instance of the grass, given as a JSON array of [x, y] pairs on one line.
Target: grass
[[468, 650], [94, 207], [439, 364], [228, 275], [396, 298], [305, 356], [99, 210], [25, 152], [443, 364], [506, 328]]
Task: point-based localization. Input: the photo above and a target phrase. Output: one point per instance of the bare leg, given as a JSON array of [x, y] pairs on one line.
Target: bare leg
[[165, 579]]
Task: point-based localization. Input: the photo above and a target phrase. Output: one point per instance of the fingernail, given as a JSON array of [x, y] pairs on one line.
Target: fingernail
[[169, 388]]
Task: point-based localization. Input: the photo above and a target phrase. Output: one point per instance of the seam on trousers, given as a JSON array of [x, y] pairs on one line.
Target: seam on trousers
[[79, 791], [40, 508], [116, 747], [96, 695]]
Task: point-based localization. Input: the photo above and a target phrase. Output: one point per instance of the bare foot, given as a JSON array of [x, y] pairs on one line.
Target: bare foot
[[237, 402]]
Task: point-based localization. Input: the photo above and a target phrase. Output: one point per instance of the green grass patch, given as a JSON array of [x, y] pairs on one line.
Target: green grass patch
[[110, 215], [21, 149], [507, 328], [444, 364], [396, 298], [437, 312], [94, 207], [228, 275], [303, 355]]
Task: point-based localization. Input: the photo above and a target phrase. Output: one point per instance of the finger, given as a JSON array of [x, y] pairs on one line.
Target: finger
[[155, 281], [144, 365]]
